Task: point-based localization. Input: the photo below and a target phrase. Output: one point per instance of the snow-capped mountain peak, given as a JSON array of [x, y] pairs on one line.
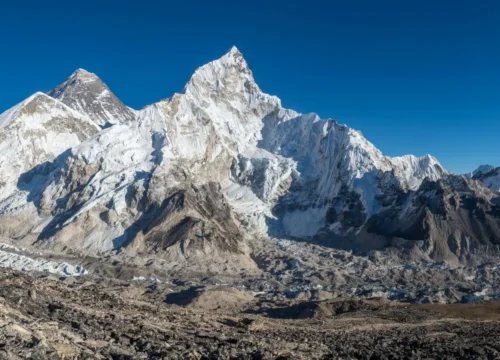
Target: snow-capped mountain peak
[[38, 105], [488, 175], [234, 50], [84, 92], [11, 114], [229, 73], [192, 173], [484, 169], [83, 75], [225, 91]]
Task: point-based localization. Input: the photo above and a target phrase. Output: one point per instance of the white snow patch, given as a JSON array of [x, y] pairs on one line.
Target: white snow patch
[[24, 263]]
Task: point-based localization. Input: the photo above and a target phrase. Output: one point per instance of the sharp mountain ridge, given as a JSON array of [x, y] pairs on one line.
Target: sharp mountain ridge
[[196, 178]]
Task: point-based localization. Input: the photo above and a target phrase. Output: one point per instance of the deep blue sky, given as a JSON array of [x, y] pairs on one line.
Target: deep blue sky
[[414, 76]]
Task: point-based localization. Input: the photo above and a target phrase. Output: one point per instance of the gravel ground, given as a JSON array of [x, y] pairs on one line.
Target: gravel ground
[[46, 317]]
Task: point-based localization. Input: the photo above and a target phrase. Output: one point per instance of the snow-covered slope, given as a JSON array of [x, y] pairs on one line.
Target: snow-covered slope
[[338, 172], [32, 134], [86, 93], [194, 177], [489, 176], [482, 169]]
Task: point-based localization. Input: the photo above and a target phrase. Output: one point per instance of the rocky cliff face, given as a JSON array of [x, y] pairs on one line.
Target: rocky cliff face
[[195, 177], [454, 219]]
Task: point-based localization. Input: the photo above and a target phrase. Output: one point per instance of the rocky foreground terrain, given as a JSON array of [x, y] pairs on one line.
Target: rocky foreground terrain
[[48, 317], [347, 306]]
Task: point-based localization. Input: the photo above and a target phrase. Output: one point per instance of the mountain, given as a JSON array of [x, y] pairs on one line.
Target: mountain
[[489, 176], [196, 178], [86, 93], [32, 134], [482, 169], [451, 219]]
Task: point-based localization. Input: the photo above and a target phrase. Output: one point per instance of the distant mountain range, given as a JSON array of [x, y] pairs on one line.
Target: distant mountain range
[[488, 175], [194, 178]]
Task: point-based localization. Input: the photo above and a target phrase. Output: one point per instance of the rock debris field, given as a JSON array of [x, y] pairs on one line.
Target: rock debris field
[[43, 316]]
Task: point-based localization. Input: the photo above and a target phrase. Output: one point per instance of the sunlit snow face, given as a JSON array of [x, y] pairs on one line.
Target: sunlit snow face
[[271, 163]]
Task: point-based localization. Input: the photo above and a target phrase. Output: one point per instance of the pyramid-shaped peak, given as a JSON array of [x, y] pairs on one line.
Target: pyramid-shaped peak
[[225, 72], [86, 93], [234, 50], [82, 71], [83, 74], [229, 59], [233, 56]]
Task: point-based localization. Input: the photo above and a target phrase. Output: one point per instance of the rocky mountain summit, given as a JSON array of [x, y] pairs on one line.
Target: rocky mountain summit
[[196, 178], [87, 94]]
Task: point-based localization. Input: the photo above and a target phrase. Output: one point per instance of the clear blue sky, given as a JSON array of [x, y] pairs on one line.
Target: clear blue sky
[[414, 76]]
